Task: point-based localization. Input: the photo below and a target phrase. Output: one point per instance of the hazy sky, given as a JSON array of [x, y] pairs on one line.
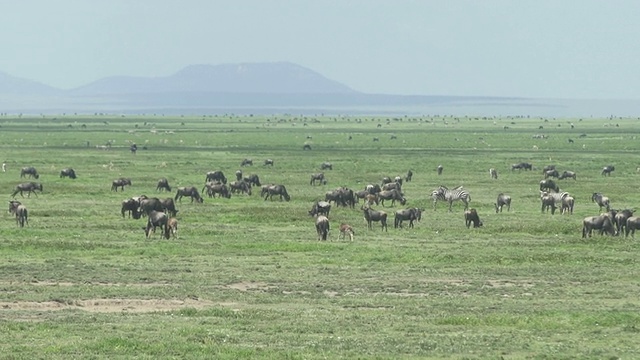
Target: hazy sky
[[522, 48]]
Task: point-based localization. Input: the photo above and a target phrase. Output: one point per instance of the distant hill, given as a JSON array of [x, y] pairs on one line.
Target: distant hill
[[11, 85], [246, 78]]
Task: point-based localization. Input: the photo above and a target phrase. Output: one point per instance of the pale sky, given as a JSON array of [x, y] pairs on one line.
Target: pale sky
[[517, 48]]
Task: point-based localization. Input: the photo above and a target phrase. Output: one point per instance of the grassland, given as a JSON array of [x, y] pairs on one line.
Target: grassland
[[248, 278]]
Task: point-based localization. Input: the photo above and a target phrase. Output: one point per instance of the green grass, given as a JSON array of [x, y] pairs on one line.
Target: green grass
[[248, 278]]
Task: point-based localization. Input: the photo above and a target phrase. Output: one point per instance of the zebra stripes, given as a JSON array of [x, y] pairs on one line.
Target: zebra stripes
[[444, 194]]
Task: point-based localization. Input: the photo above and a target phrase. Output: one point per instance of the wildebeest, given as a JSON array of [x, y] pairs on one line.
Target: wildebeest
[[131, 206], [392, 195], [346, 229], [31, 171], [633, 224], [189, 191], [548, 184], [239, 175], [148, 205], [246, 162], [601, 200], [548, 202], [169, 206], [157, 219], [28, 187], [493, 173], [409, 176], [503, 200], [385, 180], [522, 166], [411, 215], [322, 227], [620, 219], [279, 190], [341, 196], [214, 188], [371, 215], [567, 204], [306, 147], [606, 171], [392, 186], [163, 184], [133, 148], [172, 227], [216, 176], [240, 187], [68, 172], [252, 180], [398, 180], [373, 188], [439, 169], [318, 178], [320, 208], [602, 222], [551, 173], [20, 211], [471, 216], [326, 166], [567, 174], [547, 168], [268, 162], [120, 183]]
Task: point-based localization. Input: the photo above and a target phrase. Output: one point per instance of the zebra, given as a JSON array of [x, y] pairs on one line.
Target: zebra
[[493, 173], [601, 200], [444, 194]]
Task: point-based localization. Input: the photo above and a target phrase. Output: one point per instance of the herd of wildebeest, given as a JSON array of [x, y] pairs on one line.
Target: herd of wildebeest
[[162, 212]]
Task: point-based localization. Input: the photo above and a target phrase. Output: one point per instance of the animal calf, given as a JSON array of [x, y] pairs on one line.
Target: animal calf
[[346, 229], [172, 228]]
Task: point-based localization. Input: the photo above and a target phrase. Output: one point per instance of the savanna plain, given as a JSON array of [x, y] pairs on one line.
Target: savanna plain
[[248, 277]]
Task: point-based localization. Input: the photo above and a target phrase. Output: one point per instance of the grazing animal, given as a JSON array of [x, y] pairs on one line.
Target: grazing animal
[[246, 162], [567, 174], [620, 219], [346, 229], [20, 211], [603, 222], [548, 184], [551, 173], [268, 162], [189, 191], [373, 188], [306, 147], [318, 178], [503, 200], [163, 184], [157, 219], [68, 172], [371, 215], [28, 187], [326, 166], [471, 216], [392, 186], [548, 202], [547, 168], [362, 194], [172, 227], [493, 173], [606, 171], [169, 206], [392, 195], [150, 204], [567, 204], [216, 176], [522, 166], [279, 190], [439, 169], [570, 140], [385, 180], [408, 177], [131, 206], [412, 214], [633, 224], [322, 227], [238, 187], [120, 183], [601, 200], [252, 180], [239, 175], [133, 148], [320, 208], [444, 194], [30, 171], [214, 188]]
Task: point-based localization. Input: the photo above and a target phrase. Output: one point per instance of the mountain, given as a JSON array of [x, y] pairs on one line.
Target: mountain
[[245, 78], [11, 85]]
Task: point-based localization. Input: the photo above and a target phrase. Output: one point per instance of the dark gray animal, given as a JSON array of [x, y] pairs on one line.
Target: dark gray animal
[[471, 216], [238, 187], [620, 219], [326, 166], [548, 202], [147, 205], [373, 188], [306, 147], [239, 175], [216, 176], [246, 162], [268, 162], [409, 176], [252, 180], [29, 187], [20, 211], [551, 173], [371, 215], [189, 191], [439, 169], [567, 174], [607, 170], [601, 200], [157, 219], [318, 179], [322, 227], [163, 184], [503, 200], [548, 168], [548, 184], [392, 186], [68, 172], [567, 204], [30, 171], [131, 206], [320, 208], [603, 223], [633, 224], [169, 206], [411, 215], [279, 190], [120, 183], [522, 166], [393, 195], [214, 188]]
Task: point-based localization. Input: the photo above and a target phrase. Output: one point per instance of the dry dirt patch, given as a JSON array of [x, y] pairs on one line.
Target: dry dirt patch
[[109, 305]]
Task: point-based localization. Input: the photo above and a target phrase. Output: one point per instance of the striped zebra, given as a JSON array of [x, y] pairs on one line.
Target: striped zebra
[[444, 194]]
